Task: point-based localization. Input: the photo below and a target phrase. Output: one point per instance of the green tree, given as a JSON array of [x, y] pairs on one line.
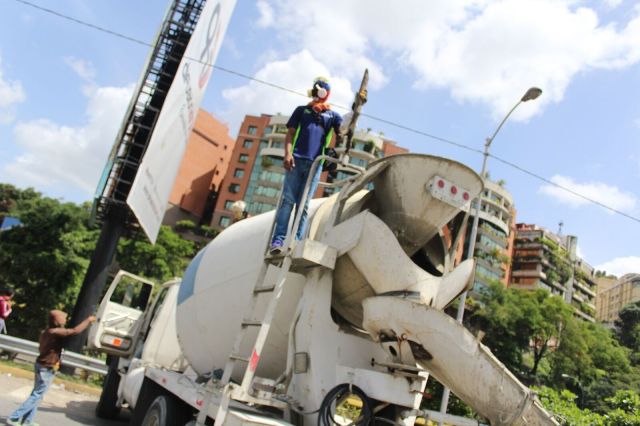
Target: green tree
[[562, 404], [162, 261], [548, 318], [44, 259], [628, 326], [624, 409], [502, 315]]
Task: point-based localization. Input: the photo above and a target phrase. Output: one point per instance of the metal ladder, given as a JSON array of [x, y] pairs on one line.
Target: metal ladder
[[242, 392]]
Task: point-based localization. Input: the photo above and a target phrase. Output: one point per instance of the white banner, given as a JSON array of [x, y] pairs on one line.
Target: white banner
[[157, 173]]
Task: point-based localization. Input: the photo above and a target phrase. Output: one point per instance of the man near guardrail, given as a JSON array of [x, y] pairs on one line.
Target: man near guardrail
[[310, 131], [6, 300], [51, 343]]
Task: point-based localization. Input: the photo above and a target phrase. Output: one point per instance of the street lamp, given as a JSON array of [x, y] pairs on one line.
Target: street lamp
[[579, 384], [530, 95]]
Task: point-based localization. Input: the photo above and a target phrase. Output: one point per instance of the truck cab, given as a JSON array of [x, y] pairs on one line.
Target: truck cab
[[134, 327]]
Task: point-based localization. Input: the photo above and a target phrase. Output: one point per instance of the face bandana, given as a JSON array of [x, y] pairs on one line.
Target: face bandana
[[320, 93]]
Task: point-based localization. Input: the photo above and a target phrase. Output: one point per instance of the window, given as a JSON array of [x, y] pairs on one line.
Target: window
[[267, 191], [278, 144], [224, 221], [234, 188], [264, 143], [238, 173], [358, 162], [228, 204], [248, 143], [253, 130], [244, 158], [268, 130]]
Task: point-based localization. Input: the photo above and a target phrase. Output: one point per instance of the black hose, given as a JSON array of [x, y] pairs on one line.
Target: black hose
[[325, 416]]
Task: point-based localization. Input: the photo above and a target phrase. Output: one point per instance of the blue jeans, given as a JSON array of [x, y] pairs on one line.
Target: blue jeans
[[27, 411], [292, 191]]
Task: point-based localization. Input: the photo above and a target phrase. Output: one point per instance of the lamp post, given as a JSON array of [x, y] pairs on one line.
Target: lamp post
[[530, 95], [579, 384]]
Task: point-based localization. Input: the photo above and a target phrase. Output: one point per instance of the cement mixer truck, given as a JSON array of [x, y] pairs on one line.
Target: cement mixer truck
[[352, 310]]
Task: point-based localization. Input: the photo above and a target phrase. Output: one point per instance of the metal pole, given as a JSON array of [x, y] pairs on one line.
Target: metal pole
[[472, 241]]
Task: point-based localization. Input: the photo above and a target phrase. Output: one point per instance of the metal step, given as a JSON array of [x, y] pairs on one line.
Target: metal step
[[251, 323], [237, 357], [264, 289]]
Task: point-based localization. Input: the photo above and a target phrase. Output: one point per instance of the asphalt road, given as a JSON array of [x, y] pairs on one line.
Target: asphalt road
[[60, 407]]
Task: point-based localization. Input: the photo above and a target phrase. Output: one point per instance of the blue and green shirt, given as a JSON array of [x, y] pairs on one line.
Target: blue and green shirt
[[313, 131]]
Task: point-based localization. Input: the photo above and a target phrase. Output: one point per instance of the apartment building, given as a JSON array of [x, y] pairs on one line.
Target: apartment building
[[256, 173], [542, 259], [611, 300], [202, 169], [494, 239]]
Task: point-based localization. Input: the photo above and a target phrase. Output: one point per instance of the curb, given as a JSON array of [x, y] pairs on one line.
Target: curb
[[68, 385]]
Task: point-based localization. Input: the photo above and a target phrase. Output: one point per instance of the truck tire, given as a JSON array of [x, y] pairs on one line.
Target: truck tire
[[164, 411], [107, 407]]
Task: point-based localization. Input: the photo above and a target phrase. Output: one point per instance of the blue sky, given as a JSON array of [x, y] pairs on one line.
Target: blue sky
[[449, 69]]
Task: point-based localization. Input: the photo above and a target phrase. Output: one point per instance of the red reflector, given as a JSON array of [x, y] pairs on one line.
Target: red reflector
[[454, 190], [440, 183], [253, 364], [465, 196], [117, 342]]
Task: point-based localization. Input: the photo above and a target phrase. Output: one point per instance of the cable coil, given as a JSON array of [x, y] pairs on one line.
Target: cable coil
[[339, 393]]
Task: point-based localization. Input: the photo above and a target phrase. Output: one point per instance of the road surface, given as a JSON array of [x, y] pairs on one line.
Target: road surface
[[60, 407]]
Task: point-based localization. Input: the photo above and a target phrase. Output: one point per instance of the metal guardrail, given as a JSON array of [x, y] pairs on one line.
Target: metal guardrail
[[71, 359]]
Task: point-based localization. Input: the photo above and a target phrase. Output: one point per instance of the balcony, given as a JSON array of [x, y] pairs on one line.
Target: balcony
[[584, 316], [584, 288], [527, 245], [495, 236], [531, 273], [272, 152]]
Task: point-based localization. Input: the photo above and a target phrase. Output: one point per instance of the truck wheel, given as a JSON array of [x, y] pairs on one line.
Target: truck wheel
[[107, 407], [164, 411]]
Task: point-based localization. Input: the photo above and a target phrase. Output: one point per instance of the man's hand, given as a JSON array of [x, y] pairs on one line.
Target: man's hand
[[91, 318], [289, 163]]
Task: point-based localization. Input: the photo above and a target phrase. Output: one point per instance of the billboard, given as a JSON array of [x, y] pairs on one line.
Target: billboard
[[155, 178]]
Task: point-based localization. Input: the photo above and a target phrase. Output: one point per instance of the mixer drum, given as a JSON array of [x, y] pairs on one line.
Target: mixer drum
[[218, 284]]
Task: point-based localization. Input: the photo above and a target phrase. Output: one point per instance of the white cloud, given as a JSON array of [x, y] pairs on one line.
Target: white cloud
[[481, 51], [612, 4], [63, 159], [297, 73], [11, 93], [83, 68], [598, 191], [266, 14], [621, 265]]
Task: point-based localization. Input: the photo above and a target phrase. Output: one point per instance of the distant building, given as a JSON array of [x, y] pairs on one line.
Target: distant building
[[611, 300], [202, 169], [243, 160], [256, 171], [494, 240], [542, 259]]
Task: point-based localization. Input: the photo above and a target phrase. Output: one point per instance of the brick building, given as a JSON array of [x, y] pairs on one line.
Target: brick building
[[542, 259], [202, 169]]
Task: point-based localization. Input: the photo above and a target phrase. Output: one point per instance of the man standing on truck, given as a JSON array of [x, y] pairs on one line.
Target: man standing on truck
[[310, 131], [51, 342]]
